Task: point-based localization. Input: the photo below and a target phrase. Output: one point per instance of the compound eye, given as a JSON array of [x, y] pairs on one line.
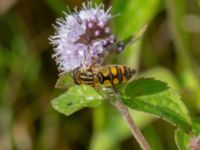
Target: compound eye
[[120, 46]]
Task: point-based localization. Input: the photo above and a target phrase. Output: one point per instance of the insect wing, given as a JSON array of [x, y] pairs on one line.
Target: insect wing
[[119, 46]]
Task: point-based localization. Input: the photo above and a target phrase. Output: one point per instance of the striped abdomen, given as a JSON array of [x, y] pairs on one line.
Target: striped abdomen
[[114, 74], [106, 75]]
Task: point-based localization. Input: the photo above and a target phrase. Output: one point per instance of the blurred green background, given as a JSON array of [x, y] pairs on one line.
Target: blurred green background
[[169, 51]]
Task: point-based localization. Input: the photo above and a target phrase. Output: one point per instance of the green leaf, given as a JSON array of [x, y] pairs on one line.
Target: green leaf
[[182, 140], [64, 81], [76, 98], [196, 127], [155, 97], [162, 74]]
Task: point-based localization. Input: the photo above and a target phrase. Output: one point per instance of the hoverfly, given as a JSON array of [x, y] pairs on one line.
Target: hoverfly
[[107, 76], [103, 75]]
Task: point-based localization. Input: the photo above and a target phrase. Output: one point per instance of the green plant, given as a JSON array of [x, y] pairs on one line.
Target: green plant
[[147, 95]]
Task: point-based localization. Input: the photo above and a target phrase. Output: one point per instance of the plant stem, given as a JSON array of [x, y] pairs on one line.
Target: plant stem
[[134, 129]]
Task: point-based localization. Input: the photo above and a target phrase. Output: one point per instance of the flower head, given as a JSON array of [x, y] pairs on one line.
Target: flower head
[[81, 37]]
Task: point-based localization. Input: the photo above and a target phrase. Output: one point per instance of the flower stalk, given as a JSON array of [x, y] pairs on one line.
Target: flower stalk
[[134, 129]]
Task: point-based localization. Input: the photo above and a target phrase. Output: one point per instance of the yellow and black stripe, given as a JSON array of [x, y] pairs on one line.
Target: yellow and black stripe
[[106, 75], [114, 74], [83, 76]]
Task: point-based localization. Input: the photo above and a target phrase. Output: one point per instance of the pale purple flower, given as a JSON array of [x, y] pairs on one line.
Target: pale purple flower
[[81, 37]]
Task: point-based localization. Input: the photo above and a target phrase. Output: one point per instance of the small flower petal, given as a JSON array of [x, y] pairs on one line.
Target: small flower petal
[[80, 37]]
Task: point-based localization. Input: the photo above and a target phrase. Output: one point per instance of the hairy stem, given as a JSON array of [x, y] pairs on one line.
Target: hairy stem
[[134, 129]]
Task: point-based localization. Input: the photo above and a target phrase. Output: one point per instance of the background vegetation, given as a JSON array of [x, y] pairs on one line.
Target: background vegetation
[[169, 52]]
